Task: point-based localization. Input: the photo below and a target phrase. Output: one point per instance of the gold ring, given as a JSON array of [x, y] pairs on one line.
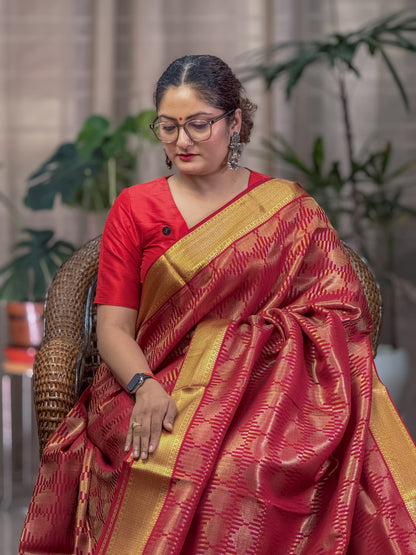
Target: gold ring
[[134, 424]]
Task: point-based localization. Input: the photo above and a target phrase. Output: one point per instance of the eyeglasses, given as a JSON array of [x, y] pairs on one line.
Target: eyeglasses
[[197, 129]]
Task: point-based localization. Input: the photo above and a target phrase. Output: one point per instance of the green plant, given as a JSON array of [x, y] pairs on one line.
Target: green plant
[[379, 199], [37, 257], [368, 194], [91, 171]]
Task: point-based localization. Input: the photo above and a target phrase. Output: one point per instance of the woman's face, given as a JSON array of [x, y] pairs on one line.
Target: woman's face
[[182, 104]]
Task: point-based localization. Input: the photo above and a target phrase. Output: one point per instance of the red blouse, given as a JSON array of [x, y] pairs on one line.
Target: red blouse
[[142, 224]]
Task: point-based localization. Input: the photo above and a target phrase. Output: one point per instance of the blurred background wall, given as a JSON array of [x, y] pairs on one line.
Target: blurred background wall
[[62, 60]]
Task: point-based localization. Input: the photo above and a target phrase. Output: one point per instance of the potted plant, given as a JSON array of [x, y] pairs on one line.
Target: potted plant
[[368, 196], [88, 173], [24, 281]]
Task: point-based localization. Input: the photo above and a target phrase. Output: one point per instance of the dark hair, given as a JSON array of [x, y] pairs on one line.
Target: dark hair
[[215, 83]]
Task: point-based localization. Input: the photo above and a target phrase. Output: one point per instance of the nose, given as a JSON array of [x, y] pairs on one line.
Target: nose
[[183, 139]]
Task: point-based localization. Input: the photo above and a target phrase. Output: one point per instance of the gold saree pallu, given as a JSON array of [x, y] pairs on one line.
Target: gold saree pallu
[[257, 325]]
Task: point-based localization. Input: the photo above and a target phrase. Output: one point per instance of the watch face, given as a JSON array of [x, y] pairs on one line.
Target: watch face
[[136, 380]]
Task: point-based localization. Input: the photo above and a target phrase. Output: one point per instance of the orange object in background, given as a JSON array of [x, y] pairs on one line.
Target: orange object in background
[[25, 323], [24, 355]]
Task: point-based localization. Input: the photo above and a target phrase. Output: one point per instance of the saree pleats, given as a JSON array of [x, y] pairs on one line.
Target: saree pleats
[[257, 325]]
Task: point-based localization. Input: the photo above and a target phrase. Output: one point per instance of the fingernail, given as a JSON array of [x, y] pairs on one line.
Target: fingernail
[[136, 454], [143, 455], [151, 448]]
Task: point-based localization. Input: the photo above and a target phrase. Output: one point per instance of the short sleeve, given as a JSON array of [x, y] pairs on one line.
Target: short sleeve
[[120, 257]]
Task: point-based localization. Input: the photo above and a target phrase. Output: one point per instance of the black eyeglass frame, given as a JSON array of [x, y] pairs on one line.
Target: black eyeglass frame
[[210, 122]]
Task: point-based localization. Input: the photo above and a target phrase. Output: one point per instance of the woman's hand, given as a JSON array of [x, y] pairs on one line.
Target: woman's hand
[[154, 410]]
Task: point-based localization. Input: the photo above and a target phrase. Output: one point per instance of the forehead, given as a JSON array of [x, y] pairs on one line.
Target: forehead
[[183, 101]]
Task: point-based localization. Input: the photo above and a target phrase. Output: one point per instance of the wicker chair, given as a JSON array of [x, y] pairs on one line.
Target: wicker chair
[[68, 356]]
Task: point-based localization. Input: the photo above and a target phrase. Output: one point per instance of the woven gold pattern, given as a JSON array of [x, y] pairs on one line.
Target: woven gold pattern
[[68, 357]]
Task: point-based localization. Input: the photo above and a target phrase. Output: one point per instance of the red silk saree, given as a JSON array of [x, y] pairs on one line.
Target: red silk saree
[[285, 441]]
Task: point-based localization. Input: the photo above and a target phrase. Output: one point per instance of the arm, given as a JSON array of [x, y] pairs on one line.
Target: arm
[[154, 409]]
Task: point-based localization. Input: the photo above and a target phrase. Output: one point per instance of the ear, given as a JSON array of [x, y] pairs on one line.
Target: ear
[[236, 124]]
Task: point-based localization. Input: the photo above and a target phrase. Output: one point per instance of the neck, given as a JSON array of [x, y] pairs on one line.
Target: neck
[[204, 185]]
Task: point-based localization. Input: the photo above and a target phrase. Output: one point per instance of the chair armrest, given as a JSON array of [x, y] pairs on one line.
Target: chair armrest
[[372, 294], [53, 385], [56, 379]]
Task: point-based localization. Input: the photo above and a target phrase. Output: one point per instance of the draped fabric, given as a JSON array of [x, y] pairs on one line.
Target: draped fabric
[[285, 440]]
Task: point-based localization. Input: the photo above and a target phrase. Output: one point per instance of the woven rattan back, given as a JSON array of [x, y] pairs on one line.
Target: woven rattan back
[[68, 356], [372, 293]]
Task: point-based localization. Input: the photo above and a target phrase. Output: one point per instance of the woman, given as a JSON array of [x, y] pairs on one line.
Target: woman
[[237, 410]]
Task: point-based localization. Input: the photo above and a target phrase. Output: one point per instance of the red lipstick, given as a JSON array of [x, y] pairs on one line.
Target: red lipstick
[[186, 157]]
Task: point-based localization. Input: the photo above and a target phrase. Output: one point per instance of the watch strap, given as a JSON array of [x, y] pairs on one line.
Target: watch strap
[[137, 381]]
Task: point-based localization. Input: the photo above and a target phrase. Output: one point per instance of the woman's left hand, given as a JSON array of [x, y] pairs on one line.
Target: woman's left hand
[[153, 411]]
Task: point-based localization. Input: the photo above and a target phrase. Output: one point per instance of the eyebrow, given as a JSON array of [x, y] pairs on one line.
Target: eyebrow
[[192, 116]]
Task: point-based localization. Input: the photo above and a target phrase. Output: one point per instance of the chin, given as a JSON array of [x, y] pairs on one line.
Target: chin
[[190, 168], [198, 169]]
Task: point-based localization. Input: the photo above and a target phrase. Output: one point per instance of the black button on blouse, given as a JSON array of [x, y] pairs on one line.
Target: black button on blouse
[[166, 230]]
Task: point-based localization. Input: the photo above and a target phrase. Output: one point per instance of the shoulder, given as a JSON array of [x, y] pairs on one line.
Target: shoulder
[[144, 210], [290, 194], [142, 201], [143, 191], [257, 178]]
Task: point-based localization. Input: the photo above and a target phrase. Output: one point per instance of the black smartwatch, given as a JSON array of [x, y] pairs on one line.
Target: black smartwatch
[[137, 381]]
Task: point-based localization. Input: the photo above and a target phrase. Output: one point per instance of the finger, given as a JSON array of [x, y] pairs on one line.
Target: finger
[[129, 438], [141, 436], [128, 442], [135, 438], [170, 416], [155, 432]]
